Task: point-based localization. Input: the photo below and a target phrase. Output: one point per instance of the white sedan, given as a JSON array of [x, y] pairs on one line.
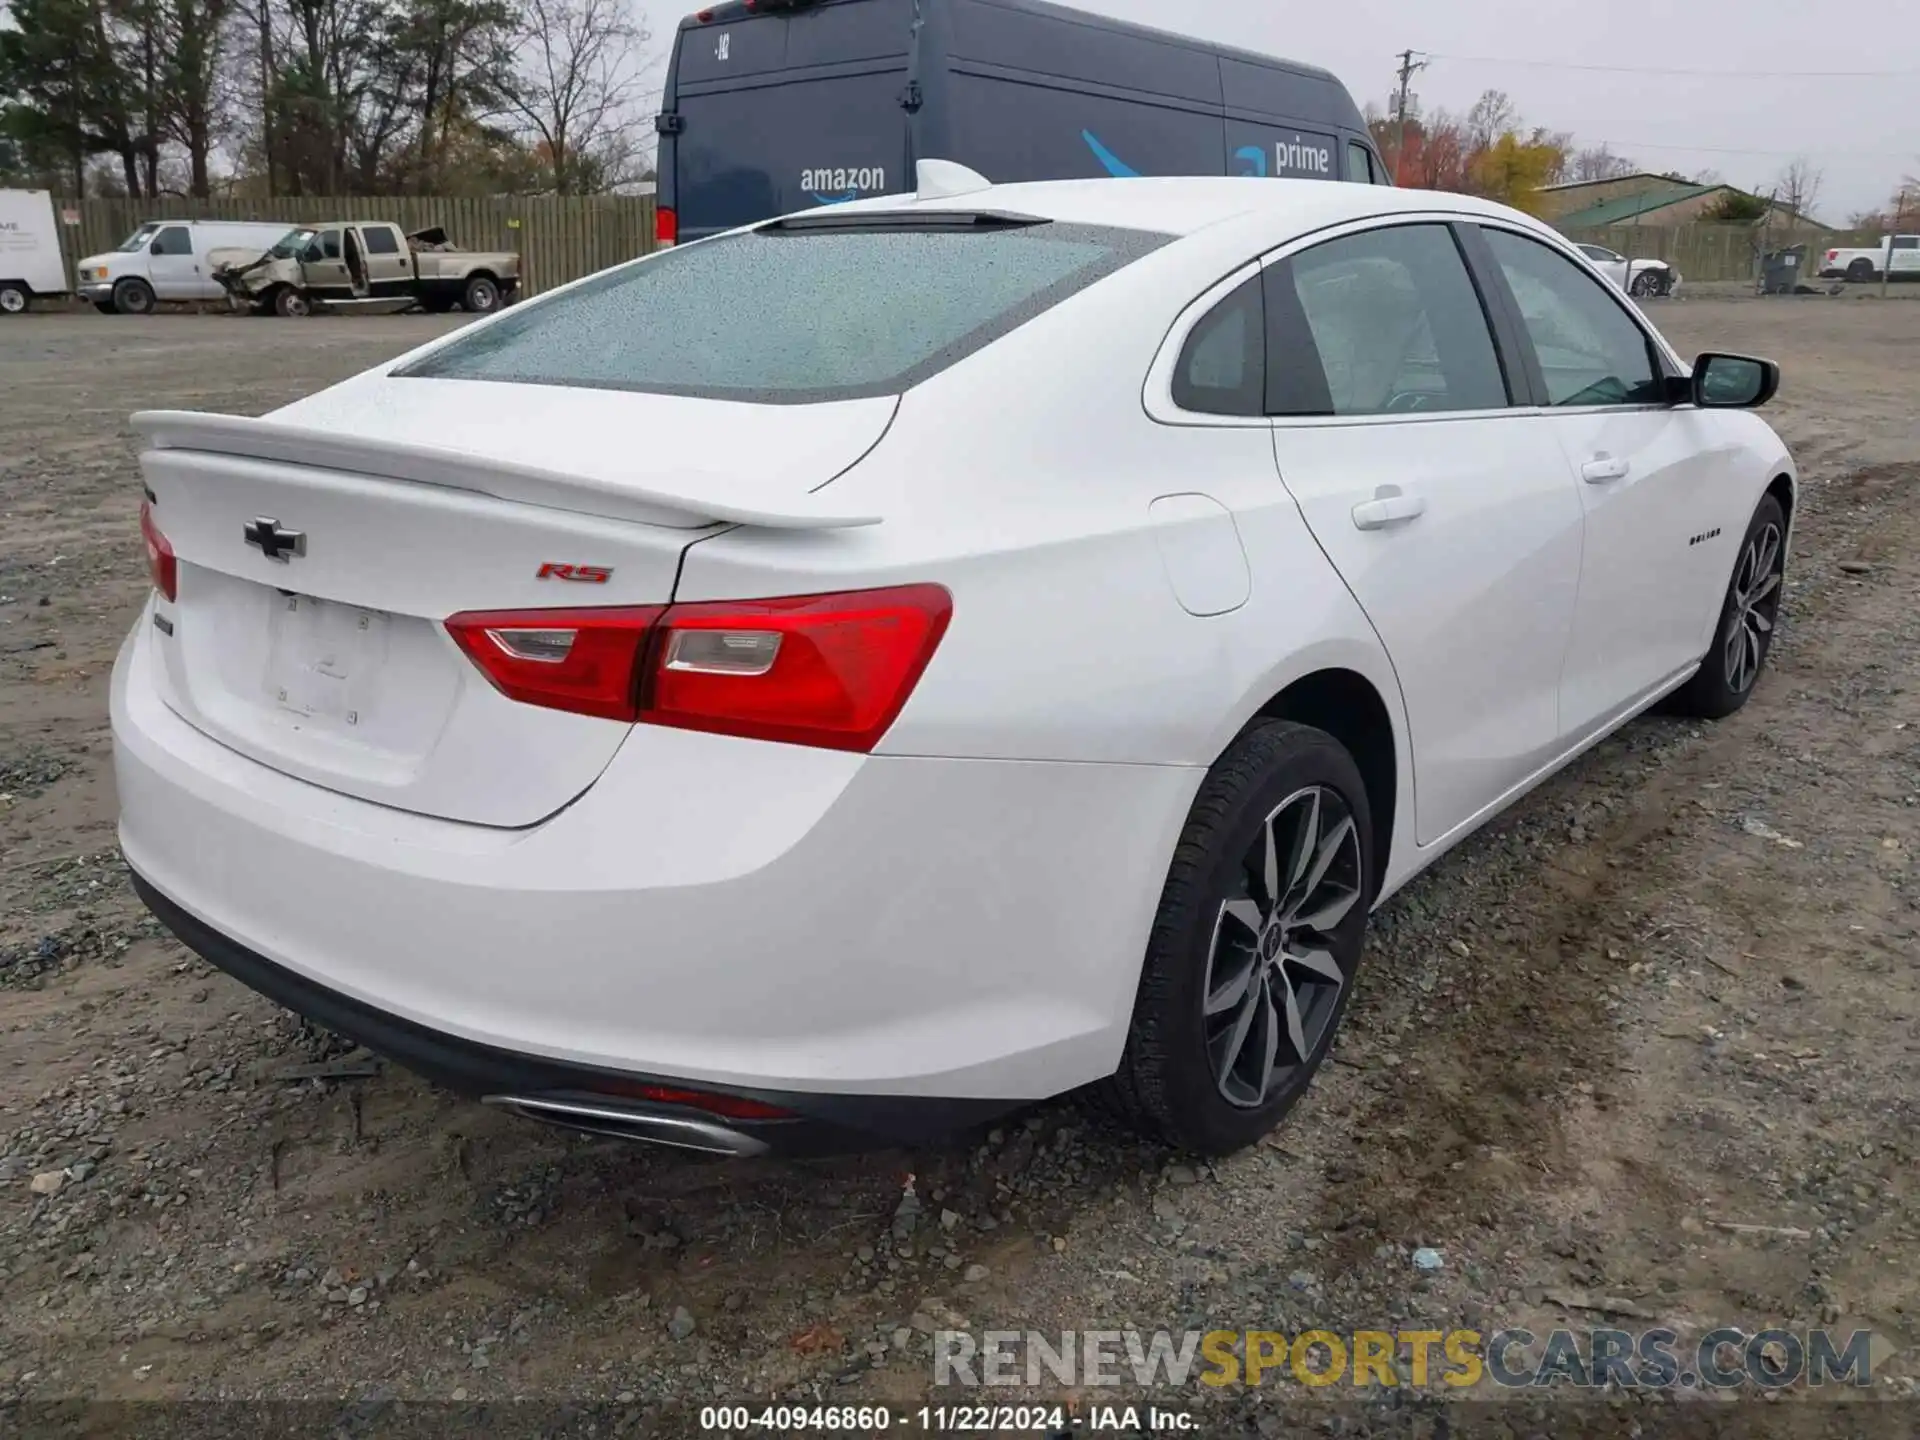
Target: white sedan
[[1639, 278], [838, 681]]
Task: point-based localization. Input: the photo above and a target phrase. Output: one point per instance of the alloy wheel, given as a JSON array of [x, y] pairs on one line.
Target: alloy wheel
[[1756, 605], [1273, 982]]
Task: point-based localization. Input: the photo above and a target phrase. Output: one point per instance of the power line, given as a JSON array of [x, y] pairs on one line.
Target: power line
[[1659, 70], [1765, 154]]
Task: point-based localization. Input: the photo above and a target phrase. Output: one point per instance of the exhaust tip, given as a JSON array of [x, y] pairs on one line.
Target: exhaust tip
[[643, 1124]]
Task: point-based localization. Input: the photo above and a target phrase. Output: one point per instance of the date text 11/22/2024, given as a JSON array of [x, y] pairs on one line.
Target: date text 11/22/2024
[[943, 1419]]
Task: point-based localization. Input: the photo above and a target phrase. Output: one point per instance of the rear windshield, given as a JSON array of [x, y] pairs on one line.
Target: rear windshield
[[791, 317]]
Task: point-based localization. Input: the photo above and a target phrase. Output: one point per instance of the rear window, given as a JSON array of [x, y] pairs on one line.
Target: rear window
[[792, 317]]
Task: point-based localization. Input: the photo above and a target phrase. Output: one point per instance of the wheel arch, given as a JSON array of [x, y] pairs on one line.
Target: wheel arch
[[1353, 708], [1782, 488]]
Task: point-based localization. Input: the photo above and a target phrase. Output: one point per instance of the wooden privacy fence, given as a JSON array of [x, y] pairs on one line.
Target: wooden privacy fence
[[562, 237], [558, 237], [1703, 252]]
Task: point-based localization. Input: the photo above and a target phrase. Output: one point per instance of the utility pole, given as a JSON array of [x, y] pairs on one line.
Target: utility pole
[[1408, 67]]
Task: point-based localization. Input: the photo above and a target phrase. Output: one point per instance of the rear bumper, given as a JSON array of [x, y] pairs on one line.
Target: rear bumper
[[578, 1094], [747, 917]]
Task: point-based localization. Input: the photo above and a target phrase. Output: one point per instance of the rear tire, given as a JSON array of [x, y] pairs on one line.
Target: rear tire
[[481, 297], [1861, 271], [1749, 619], [14, 298], [133, 297], [1243, 988]]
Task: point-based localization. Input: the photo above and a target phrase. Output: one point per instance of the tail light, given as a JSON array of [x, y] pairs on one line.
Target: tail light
[[161, 566], [825, 670], [586, 661], [831, 670], [1833, 255], [666, 226]]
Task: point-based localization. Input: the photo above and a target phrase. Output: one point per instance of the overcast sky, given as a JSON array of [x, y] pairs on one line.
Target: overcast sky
[[1862, 131]]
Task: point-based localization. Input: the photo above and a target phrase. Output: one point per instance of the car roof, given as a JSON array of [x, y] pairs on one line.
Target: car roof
[[1186, 204]]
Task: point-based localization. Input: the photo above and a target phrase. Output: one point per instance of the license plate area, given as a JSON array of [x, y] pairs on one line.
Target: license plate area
[[325, 660]]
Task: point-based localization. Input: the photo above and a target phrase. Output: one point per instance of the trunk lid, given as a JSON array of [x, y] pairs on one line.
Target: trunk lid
[[319, 550]]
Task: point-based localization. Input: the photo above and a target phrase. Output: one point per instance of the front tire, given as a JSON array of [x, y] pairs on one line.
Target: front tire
[[1749, 616], [1252, 957], [1647, 284], [133, 297], [290, 304]]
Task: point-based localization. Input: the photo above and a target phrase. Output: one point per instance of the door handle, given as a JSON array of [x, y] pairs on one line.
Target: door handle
[[1602, 468], [1388, 507]]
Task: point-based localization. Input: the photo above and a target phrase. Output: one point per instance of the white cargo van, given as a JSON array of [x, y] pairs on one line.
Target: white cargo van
[[30, 265], [167, 260]]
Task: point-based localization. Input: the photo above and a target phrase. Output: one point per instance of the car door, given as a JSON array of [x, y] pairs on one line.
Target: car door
[[1903, 257], [1445, 506], [172, 267], [1652, 479], [389, 262], [325, 267]]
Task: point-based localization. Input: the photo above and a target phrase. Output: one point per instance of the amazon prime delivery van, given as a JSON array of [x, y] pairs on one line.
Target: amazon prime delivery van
[[775, 105]]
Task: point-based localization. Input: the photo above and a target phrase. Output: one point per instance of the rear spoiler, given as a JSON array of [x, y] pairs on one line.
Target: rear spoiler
[[680, 500]]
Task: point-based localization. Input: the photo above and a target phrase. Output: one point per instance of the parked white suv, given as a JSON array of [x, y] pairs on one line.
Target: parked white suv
[[847, 677], [167, 260]]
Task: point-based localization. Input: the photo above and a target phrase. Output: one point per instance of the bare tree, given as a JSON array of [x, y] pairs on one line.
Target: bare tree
[[579, 90], [1905, 209], [1598, 162], [195, 33], [1798, 188], [1492, 116]]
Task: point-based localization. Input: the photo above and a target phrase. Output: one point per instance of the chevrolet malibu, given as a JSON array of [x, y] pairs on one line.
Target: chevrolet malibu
[[840, 680]]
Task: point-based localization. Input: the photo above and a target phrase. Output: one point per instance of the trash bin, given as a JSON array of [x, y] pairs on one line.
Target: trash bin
[[1780, 270]]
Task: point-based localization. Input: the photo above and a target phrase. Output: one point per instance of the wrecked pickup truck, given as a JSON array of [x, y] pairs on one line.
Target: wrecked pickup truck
[[365, 263]]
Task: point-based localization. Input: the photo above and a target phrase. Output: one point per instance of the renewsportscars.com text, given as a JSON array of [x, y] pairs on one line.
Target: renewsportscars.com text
[[1657, 1358]]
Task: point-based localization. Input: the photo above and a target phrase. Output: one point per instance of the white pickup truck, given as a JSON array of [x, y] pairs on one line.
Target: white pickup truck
[[1898, 256]]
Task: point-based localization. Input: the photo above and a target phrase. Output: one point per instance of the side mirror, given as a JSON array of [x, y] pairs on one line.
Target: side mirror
[[156, 249], [1733, 382], [311, 255]]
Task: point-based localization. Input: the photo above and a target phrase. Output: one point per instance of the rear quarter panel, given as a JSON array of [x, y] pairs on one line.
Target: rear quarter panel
[[1021, 479]]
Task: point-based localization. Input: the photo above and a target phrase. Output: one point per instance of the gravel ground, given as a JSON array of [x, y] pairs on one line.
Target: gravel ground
[[1642, 1052]]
